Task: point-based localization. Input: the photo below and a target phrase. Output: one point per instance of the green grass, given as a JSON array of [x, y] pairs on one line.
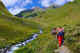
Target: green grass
[[3, 10], [13, 30], [67, 16], [72, 38], [43, 44]]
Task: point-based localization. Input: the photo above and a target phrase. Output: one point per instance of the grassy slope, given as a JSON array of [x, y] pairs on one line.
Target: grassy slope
[[45, 43], [67, 16], [3, 10], [14, 29]]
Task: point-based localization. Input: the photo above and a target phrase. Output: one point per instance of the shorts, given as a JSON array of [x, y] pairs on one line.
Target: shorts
[[60, 34]]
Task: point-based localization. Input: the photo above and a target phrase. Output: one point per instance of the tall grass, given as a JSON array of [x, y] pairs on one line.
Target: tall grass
[[45, 43]]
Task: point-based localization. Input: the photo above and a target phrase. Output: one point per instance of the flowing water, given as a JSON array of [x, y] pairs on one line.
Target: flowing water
[[17, 46]]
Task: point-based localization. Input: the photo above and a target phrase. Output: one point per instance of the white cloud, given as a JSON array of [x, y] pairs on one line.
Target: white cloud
[[12, 2], [9, 2], [16, 10], [28, 1], [45, 3], [60, 2], [16, 5], [24, 3], [70, 0]]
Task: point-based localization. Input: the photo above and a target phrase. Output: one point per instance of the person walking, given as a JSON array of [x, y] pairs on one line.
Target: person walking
[[60, 35]]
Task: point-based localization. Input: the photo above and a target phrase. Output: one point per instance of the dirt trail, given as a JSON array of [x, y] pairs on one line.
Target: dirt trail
[[62, 49]]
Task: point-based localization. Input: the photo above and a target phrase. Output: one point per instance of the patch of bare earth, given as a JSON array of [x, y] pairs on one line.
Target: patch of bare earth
[[63, 49]]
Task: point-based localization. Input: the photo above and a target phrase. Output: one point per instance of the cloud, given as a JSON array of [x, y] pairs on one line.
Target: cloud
[[16, 2], [16, 10], [70, 0], [60, 2], [9, 2], [24, 3], [46, 3], [15, 6]]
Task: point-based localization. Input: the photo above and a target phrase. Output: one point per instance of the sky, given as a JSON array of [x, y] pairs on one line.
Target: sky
[[16, 6]]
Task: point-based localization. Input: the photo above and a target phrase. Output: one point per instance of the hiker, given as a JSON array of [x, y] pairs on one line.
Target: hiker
[[60, 35], [54, 31]]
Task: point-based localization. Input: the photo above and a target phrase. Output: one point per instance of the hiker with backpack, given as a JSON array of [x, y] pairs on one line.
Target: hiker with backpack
[[60, 34]]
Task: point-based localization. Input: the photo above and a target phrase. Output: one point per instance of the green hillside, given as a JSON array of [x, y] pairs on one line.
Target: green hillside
[[67, 16], [14, 29], [3, 10]]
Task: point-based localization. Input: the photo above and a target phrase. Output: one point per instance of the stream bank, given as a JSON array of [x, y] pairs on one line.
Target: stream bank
[[12, 48]]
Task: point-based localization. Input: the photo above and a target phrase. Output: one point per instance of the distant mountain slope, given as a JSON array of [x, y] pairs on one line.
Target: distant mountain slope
[[3, 10], [31, 12], [25, 13], [14, 29], [67, 14]]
